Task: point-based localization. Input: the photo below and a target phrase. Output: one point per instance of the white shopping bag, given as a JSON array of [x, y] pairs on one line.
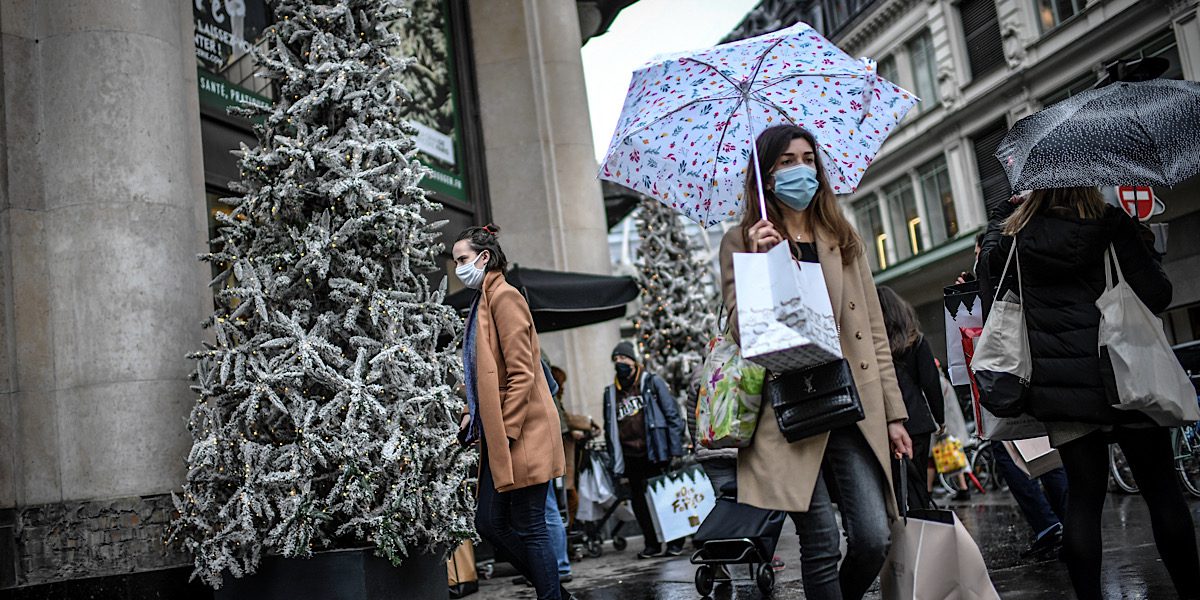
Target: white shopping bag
[[596, 493], [679, 501], [784, 315], [962, 311], [933, 557], [1034, 456]]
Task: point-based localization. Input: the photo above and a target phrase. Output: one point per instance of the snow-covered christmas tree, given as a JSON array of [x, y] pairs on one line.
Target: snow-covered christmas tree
[[677, 312], [325, 414]]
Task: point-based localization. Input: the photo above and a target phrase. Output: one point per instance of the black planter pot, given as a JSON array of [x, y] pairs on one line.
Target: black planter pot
[[341, 575]]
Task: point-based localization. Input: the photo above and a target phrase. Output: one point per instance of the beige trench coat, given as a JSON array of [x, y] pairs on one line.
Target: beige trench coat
[[520, 424], [778, 475]]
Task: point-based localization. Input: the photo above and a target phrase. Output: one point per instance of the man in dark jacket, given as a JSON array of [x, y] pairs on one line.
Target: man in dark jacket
[[644, 432]]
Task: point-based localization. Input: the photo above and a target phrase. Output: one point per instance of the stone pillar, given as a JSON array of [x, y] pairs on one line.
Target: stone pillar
[[1187, 33], [540, 163], [101, 217]]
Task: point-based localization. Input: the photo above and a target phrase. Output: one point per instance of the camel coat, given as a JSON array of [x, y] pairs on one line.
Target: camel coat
[[778, 475], [520, 424]]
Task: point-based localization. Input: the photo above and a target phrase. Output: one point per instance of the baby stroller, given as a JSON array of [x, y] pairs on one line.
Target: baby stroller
[[736, 534], [600, 498]]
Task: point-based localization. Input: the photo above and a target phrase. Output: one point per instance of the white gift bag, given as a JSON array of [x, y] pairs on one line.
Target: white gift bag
[[1034, 456], [1148, 376], [679, 501], [784, 315], [962, 310]]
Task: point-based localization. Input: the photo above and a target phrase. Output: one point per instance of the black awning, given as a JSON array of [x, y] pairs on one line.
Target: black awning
[[562, 300]]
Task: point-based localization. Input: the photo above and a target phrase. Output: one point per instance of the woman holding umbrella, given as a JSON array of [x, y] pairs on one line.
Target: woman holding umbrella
[[1061, 236], [509, 412], [853, 462]]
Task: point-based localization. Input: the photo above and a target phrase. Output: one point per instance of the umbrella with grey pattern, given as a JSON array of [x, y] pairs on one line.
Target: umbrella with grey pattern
[[1144, 133]]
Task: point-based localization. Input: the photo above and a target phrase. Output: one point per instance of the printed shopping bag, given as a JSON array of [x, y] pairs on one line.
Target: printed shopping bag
[[948, 455], [1002, 364], [784, 315], [987, 425], [933, 557], [460, 571], [963, 311], [679, 501], [730, 396], [1146, 375], [1034, 456]]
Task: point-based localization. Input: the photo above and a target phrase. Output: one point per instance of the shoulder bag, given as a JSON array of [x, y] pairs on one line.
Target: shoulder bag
[[814, 400]]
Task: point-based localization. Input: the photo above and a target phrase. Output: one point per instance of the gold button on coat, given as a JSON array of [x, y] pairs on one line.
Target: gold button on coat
[[858, 335], [852, 306], [863, 364]]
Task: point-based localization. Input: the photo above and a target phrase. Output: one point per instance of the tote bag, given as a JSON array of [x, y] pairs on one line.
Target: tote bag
[[1147, 376], [1002, 364], [730, 396]]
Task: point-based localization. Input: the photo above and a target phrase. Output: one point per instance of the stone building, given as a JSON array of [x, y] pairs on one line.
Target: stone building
[[979, 66], [114, 148]]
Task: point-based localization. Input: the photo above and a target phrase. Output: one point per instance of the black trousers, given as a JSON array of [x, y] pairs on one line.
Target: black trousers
[[638, 470], [1151, 459]]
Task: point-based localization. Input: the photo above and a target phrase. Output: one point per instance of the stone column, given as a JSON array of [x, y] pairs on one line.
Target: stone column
[[540, 163], [101, 217]]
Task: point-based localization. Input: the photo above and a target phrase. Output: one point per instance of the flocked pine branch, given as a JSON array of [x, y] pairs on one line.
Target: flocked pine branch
[[325, 414], [677, 285]]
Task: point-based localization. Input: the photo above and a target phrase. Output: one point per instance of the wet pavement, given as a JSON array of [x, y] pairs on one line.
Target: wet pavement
[[1132, 569]]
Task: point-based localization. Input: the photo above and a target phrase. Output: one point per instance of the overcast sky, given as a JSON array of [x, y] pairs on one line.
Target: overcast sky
[[646, 29]]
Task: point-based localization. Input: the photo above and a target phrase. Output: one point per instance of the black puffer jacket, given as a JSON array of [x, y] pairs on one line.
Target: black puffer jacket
[[1062, 268]]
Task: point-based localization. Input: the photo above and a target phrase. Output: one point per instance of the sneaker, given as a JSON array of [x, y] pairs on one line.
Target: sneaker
[[673, 551], [1046, 545], [962, 496], [650, 553], [521, 580], [564, 578]]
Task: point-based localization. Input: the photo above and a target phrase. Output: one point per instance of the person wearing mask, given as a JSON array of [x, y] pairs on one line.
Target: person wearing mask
[[920, 385], [854, 462], [644, 432], [1043, 500], [1061, 236], [509, 413]]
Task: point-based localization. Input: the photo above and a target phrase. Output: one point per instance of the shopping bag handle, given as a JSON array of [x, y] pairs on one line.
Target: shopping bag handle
[[1012, 252], [1110, 258]]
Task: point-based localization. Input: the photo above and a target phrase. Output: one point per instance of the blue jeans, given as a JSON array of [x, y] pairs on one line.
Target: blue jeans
[[850, 467], [515, 523], [558, 531], [1044, 505]]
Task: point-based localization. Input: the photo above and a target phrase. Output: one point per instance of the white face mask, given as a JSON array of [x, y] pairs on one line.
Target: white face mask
[[470, 275]]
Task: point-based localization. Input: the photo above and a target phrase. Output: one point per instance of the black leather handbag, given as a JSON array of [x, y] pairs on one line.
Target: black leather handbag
[[814, 400]]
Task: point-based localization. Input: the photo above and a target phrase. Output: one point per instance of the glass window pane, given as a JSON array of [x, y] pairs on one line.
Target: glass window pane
[[939, 201], [924, 66], [870, 224], [906, 221], [887, 69], [1045, 10]]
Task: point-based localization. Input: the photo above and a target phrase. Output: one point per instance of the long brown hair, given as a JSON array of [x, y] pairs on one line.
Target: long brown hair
[[826, 216], [900, 320], [1084, 202]]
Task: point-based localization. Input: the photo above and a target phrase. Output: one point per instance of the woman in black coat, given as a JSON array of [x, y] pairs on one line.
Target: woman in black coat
[[1061, 235], [920, 383]]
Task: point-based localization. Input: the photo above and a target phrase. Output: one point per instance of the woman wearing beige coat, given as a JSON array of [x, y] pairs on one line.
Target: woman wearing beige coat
[[851, 465], [510, 412]]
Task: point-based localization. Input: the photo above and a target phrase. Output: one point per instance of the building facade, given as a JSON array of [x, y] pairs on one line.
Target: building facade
[[114, 149], [979, 66]]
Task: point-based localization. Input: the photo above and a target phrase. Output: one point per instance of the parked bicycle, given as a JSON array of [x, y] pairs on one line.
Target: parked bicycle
[[1186, 444]]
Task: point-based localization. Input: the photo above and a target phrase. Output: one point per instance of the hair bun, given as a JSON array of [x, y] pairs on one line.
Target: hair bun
[[492, 228]]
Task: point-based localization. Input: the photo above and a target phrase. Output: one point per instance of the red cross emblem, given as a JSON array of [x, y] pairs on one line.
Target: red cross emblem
[[1138, 201]]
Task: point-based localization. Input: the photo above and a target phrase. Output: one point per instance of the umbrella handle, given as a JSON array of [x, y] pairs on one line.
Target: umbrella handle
[[762, 199]]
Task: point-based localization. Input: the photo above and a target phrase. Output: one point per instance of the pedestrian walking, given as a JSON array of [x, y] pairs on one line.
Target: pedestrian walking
[[644, 431], [1042, 500], [954, 424], [920, 383], [509, 412], [1061, 235], [855, 461]]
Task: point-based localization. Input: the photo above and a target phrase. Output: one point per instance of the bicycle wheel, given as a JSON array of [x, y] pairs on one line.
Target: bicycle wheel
[[1187, 459], [1118, 467], [983, 465]]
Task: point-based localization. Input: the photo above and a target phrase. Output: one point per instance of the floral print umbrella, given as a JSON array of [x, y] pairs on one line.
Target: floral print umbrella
[[686, 132]]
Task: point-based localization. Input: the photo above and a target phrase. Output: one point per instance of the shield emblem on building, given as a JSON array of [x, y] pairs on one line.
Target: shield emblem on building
[[1137, 201]]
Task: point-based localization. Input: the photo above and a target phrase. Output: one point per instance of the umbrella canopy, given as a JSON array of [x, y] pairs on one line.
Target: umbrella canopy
[[686, 132], [1144, 133], [561, 300]]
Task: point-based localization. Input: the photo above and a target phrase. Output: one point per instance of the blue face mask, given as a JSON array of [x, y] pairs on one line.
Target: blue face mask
[[795, 186]]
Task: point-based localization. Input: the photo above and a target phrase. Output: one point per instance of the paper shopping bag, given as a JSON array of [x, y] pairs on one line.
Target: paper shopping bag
[[962, 310], [784, 315], [460, 571], [1034, 456], [934, 557], [679, 501]]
